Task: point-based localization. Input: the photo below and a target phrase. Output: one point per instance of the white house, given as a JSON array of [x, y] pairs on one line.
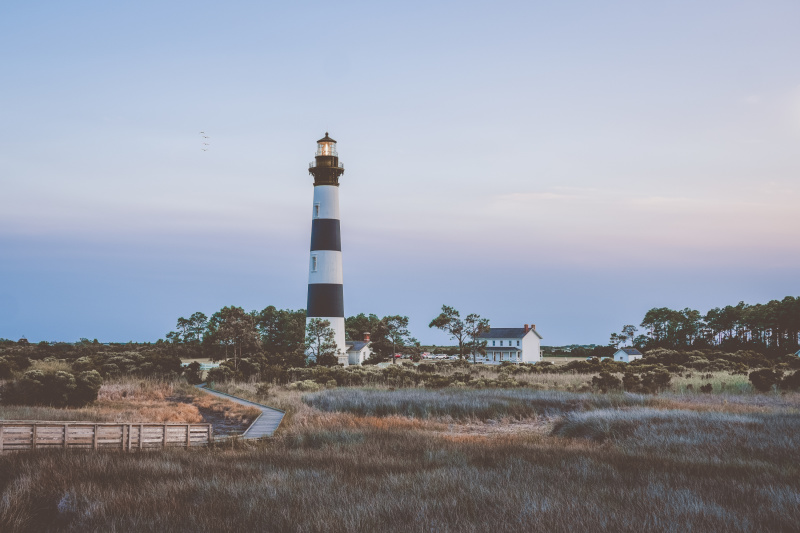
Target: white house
[[626, 355], [518, 345], [358, 351]]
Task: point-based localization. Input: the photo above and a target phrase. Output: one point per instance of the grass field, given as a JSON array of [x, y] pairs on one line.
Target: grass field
[[354, 459]]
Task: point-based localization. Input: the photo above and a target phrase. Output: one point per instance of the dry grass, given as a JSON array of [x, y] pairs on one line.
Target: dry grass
[[673, 462], [140, 400], [656, 472]]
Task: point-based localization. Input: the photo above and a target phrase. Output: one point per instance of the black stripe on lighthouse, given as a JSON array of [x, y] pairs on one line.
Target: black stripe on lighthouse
[[325, 300], [326, 234]]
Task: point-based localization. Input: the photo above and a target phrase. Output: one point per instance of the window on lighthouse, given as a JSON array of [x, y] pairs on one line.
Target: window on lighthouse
[[316, 210], [313, 263]]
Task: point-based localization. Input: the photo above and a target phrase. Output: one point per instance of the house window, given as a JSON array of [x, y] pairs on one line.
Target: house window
[[313, 263], [492, 343], [517, 343], [316, 210], [501, 343]]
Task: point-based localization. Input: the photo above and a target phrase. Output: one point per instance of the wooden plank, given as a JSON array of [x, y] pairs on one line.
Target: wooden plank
[[140, 436], [33, 437], [2, 428], [95, 436]]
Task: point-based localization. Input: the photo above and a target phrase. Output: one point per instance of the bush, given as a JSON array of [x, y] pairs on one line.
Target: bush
[[221, 374], [707, 388], [193, 373], [87, 386], [305, 386], [763, 380], [606, 382], [54, 388], [6, 368], [791, 382]]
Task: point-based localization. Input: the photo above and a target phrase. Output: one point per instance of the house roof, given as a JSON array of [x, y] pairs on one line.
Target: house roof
[[355, 346], [507, 333], [630, 351]]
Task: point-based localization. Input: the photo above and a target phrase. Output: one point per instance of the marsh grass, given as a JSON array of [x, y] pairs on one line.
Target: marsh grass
[[395, 479], [462, 404], [353, 460]]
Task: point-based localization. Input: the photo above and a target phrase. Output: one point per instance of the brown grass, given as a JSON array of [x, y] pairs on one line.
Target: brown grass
[[680, 462]]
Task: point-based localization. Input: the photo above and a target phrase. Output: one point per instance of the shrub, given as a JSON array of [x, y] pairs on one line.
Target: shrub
[[193, 373], [6, 368], [221, 374], [54, 388], [305, 386], [87, 386], [631, 382], [791, 382], [763, 380], [606, 382], [707, 388]]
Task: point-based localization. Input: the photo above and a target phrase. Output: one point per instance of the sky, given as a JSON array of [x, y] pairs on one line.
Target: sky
[[565, 164]]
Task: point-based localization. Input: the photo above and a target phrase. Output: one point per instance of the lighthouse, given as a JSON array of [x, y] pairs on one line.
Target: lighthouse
[[325, 288]]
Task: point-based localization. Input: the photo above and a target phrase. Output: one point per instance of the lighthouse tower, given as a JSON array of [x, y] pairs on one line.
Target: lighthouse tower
[[325, 289]]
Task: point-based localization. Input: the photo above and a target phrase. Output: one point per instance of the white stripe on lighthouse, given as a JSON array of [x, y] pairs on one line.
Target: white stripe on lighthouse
[[325, 267], [326, 201]]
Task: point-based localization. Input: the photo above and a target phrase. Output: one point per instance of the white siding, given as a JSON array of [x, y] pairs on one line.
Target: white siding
[[531, 348], [329, 267], [327, 196]]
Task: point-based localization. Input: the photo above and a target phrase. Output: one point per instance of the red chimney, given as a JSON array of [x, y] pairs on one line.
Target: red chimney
[[526, 328], [366, 336], [533, 326]]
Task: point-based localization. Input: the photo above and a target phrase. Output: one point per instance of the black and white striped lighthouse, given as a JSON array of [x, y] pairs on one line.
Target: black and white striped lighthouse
[[325, 289]]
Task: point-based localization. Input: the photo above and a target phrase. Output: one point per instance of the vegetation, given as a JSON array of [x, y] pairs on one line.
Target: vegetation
[[55, 388], [772, 328], [483, 461]]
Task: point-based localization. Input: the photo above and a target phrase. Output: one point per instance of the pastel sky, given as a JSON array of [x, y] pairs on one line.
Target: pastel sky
[[569, 164]]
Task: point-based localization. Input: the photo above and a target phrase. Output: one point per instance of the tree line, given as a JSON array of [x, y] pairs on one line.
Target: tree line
[[773, 327]]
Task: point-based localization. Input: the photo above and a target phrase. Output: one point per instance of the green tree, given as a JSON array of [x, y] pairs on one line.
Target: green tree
[[197, 326], [321, 342], [396, 328], [474, 328], [449, 321], [234, 330], [629, 332]]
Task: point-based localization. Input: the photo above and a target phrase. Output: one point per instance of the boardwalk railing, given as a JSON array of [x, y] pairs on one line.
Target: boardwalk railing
[[34, 435]]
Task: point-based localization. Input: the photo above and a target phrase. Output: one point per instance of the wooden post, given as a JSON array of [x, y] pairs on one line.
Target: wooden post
[[209, 434], [165, 436], [66, 430], [129, 437], [188, 435], [33, 437], [141, 432], [95, 437], [1, 437]]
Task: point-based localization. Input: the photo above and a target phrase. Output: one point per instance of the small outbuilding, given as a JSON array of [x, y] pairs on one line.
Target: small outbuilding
[[358, 351], [626, 355]]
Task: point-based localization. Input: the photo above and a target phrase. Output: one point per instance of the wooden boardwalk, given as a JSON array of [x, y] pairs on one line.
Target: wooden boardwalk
[[263, 426], [39, 434]]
